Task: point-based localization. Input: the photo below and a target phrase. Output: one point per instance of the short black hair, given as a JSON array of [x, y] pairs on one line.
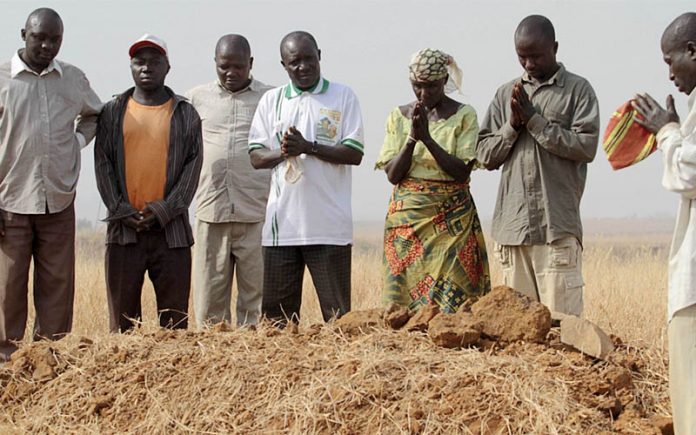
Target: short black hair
[[537, 25], [297, 34], [681, 30], [43, 12]]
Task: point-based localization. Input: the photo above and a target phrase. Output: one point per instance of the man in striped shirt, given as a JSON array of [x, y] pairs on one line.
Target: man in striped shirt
[[41, 98], [309, 132], [148, 157]]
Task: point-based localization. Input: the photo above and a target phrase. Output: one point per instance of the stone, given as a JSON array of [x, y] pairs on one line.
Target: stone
[[454, 331], [586, 337], [357, 322], [508, 316], [396, 316], [420, 320]]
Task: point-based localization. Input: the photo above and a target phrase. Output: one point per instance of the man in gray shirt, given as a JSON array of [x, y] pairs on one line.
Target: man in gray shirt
[[40, 100], [542, 129], [231, 197]]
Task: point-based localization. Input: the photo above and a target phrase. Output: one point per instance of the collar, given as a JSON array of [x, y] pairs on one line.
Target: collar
[[253, 86], [17, 65], [292, 91], [557, 78], [692, 99], [123, 98]]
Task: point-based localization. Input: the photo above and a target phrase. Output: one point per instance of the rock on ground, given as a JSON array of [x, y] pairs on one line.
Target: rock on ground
[[586, 337], [454, 330], [396, 316], [420, 320], [357, 322], [507, 316]]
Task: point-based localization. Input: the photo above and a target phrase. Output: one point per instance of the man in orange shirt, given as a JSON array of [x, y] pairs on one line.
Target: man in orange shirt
[[148, 157]]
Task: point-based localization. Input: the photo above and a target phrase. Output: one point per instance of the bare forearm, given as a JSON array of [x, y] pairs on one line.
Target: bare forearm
[[338, 154], [398, 167], [264, 158], [454, 167]]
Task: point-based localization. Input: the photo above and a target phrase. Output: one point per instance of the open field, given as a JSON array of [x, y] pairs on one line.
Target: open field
[[320, 381], [625, 277]]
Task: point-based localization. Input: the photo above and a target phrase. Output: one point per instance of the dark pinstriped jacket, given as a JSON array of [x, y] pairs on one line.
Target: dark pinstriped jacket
[[184, 160]]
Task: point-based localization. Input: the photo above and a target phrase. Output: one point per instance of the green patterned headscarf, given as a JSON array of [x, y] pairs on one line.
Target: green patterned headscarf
[[428, 65]]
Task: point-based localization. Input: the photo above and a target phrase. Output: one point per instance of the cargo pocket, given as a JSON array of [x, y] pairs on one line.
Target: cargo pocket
[[504, 258], [502, 255], [573, 303]]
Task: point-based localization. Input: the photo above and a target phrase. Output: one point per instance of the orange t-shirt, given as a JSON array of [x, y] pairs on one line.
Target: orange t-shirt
[[146, 145]]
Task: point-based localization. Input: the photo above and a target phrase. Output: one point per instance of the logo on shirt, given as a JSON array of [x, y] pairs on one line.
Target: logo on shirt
[[328, 126]]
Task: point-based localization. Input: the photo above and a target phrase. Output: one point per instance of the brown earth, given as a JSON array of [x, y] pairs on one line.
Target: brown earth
[[471, 373]]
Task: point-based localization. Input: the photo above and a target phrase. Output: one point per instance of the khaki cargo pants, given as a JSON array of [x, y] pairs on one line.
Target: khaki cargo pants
[[550, 274]]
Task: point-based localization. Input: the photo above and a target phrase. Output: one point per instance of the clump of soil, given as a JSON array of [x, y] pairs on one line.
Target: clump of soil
[[471, 372]]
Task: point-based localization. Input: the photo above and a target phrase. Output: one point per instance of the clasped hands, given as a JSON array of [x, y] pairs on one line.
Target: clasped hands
[[520, 106], [652, 116], [141, 221], [420, 129], [293, 143]]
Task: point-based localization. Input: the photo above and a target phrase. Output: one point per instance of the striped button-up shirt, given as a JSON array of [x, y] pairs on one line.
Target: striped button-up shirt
[[230, 189], [40, 141], [184, 161], [544, 163]]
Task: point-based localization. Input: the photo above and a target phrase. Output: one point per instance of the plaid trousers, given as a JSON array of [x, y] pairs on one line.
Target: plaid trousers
[[329, 266]]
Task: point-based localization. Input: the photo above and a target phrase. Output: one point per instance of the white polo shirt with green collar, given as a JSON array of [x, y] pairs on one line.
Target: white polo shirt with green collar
[[315, 210]]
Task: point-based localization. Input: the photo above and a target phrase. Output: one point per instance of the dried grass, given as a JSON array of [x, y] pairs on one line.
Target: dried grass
[[319, 381]]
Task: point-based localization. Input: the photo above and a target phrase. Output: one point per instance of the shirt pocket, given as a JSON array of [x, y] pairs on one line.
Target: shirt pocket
[[561, 118]]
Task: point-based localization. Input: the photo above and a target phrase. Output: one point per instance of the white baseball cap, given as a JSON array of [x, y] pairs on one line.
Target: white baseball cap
[[148, 40]]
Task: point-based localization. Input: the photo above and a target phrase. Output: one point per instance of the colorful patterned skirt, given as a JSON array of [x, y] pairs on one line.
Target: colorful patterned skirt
[[433, 246]]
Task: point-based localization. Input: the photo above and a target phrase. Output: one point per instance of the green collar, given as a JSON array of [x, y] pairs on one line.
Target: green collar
[[292, 91]]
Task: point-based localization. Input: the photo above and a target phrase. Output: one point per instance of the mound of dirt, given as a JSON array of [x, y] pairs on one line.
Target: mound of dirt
[[509, 316], [358, 375]]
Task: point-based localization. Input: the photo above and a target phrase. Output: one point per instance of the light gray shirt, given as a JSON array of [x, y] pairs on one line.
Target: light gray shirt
[[545, 163], [45, 119], [230, 189]]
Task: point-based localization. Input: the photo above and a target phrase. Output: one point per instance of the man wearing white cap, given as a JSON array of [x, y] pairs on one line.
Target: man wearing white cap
[[147, 160], [40, 100]]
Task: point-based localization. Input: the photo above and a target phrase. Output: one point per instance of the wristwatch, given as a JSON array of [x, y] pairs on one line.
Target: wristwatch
[[315, 148]]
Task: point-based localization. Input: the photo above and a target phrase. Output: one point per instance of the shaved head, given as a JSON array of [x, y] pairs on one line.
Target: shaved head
[[293, 38], [43, 14], [680, 31], [233, 43], [42, 35], [537, 27], [679, 51], [233, 62]]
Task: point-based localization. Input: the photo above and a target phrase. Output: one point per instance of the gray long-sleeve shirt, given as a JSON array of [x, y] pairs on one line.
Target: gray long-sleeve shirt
[[544, 165], [40, 140]]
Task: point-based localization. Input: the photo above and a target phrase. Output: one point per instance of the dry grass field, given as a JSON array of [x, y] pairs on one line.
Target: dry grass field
[[625, 284], [321, 381]]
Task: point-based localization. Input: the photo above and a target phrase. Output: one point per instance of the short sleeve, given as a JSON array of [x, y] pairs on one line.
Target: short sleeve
[[467, 135], [353, 131], [393, 140], [261, 131]]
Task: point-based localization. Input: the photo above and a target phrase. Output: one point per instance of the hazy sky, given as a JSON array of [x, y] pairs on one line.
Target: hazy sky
[[367, 45]]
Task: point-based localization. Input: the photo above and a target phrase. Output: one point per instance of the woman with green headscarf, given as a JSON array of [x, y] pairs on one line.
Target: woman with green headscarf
[[434, 251]]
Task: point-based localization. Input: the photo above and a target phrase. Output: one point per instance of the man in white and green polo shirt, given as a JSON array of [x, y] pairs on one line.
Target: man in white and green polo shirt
[[309, 132]]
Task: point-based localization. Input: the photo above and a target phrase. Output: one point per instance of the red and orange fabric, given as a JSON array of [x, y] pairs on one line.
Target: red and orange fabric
[[625, 141]]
